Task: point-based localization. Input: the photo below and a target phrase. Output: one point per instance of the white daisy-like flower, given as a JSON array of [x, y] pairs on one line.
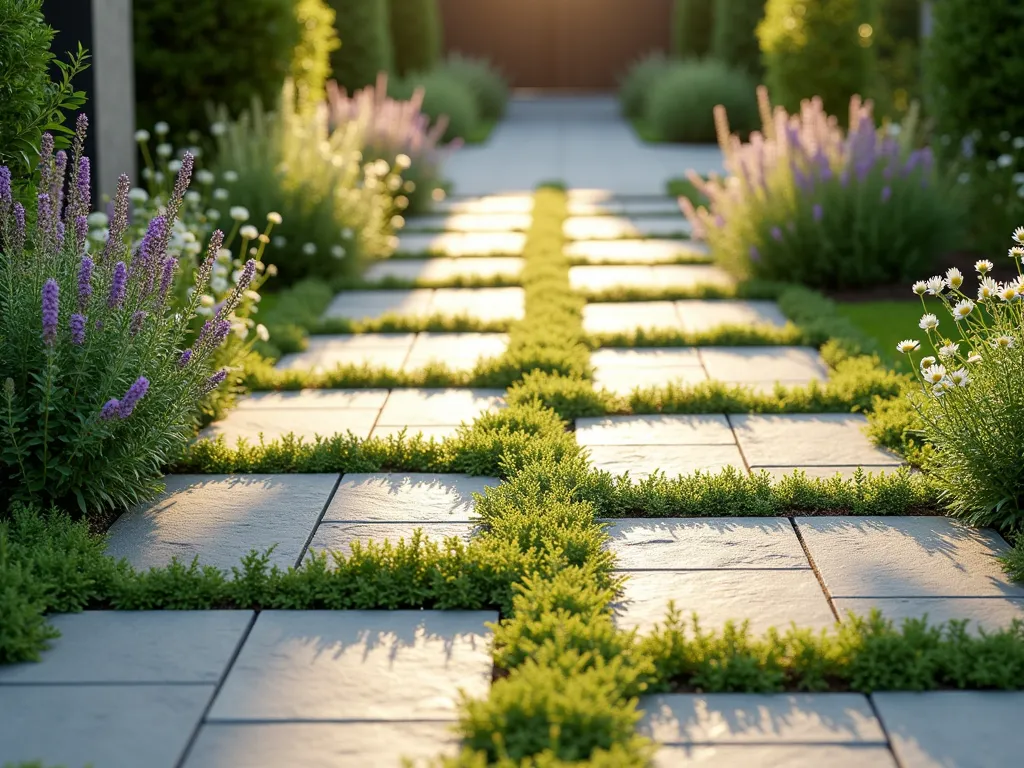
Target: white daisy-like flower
[[933, 374], [221, 194], [938, 390], [274, 217], [230, 176], [949, 350], [402, 162], [962, 309], [249, 232], [218, 129], [1016, 252], [410, 187], [224, 255], [397, 222], [278, 241], [1003, 342], [346, 233], [195, 151], [164, 150], [206, 300], [960, 377], [220, 269], [204, 176], [142, 135], [1018, 142], [161, 128], [954, 278], [1004, 161], [908, 345], [213, 214], [1008, 292], [193, 197], [239, 213], [309, 249], [920, 287], [1018, 235], [928, 322], [338, 251], [983, 266], [158, 177], [98, 219], [261, 332], [927, 362], [218, 285], [987, 288], [936, 285], [174, 166], [974, 357]]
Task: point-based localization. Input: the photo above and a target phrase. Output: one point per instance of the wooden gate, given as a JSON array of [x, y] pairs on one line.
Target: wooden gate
[[567, 44]]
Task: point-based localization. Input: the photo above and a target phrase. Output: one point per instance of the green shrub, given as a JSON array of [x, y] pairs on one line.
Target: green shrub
[[820, 48], [486, 83], [636, 84], [682, 101], [365, 42], [311, 59], [447, 97], [30, 102], [248, 49], [415, 27], [734, 34], [692, 24]]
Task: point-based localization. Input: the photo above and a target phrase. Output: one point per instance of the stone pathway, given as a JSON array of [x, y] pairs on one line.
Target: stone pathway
[[492, 304], [692, 316]]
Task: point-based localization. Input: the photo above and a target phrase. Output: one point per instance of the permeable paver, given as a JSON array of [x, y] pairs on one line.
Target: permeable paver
[[619, 227], [457, 351], [372, 305], [623, 381], [635, 251], [274, 421], [506, 203], [437, 407], [953, 728], [982, 613], [601, 277], [358, 666], [775, 756], [321, 745], [792, 366], [114, 726], [638, 207], [645, 544], [719, 596], [442, 269], [833, 440], [426, 432], [701, 315], [626, 317], [107, 647], [470, 222], [379, 350], [641, 461], [655, 429], [339, 537], [457, 244], [478, 303], [406, 497], [315, 399], [221, 518], [633, 358]]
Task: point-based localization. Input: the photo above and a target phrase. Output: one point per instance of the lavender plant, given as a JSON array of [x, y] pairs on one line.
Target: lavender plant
[[805, 202], [971, 398], [100, 383]]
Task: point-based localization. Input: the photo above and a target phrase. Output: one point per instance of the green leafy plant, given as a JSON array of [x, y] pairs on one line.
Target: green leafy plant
[[366, 47], [446, 96], [682, 100], [692, 22], [311, 59], [638, 81], [488, 86], [415, 27], [734, 34]]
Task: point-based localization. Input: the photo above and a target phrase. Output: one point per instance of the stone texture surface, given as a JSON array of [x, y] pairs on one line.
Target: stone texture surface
[[437, 407], [764, 364], [808, 440], [641, 357], [456, 350], [339, 537], [428, 433], [480, 303], [641, 461], [406, 497], [136, 647], [314, 399], [983, 612], [220, 518], [459, 244], [906, 557], [603, 277], [634, 251], [372, 304], [624, 317], [700, 315], [274, 423], [321, 745], [625, 206], [113, 726], [471, 222], [684, 544], [655, 429], [724, 595], [744, 718], [385, 350], [358, 666], [442, 268], [618, 227], [965, 729], [623, 381], [776, 756]]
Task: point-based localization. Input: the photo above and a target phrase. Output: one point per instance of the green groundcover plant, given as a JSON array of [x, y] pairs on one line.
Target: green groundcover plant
[[683, 97], [100, 384], [971, 397], [636, 83]]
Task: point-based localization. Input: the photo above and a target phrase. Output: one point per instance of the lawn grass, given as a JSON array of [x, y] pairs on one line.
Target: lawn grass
[[888, 323]]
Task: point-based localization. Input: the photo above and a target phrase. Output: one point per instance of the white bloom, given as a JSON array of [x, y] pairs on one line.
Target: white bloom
[[274, 217], [142, 135], [252, 296], [249, 232], [346, 233], [98, 219], [239, 213], [936, 285], [920, 287], [949, 350], [218, 129], [224, 254], [1004, 161], [1003, 342], [1017, 178], [410, 187], [174, 166], [1008, 292], [927, 362], [938, 389], [402, 162], [206, 300], [974, 357], [928, 322], [908, 345], [1016, 252], [193, 197], [262, 333], [401, 202], [161, 128], [1018, 142], [195, 151], [960, 377], [218, 285], [164, 150], [147, 173], [309, 249], [337, 251], [220, 269], [984, 266], [964, 178], [204, 311], [954, 278], [397, 222], [158, 177], [933, 374], [204, 176], [220, 194], [962, 309], [1018, 235], [278, 241], [987, 288], [230, 176], [212, 214]]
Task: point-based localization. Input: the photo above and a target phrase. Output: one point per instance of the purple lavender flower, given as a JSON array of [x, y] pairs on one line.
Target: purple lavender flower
[[50, 311], [45, 221], [109, 410], [60, 233], [204, 333], [185, 357], [19, 226], [57, 182], [119, 221], [131, 398], [83, 187], [248, 271], [118, 285], [146, 257], [886, 193], [777, 234], [5, 187], [220, 333], [755, 254], [138, 319], [84, 282], [77, 325], [817, 211], [81, 231], [214, 381], [167, 276]]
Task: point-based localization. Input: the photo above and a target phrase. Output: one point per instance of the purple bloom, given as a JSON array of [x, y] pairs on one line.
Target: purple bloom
[[5, 187], [51, 311], [886, 193], [777, 234], [109, 410], [220, 333], [81, 231], [46, 223], [755, 255], [185, 357], [248, 271], [817, 211], [145, 262], [136, 324], [204, 332], [57, 183], [118, 284], [119, 222], [60, 233], [131, 398], [83, 189], [214, 381], [170, 264], [84, 282], [19, 226], [77, 325]]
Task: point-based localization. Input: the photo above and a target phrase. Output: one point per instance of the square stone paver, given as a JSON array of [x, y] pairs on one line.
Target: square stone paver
[[113, 726], [458, 351], [471, 222], [988, 613], [220, 518], [965, 729], [645, 357], [605, 277], [324, 353], [655, 429], [373, 305], [665, 206], [808, 440], [406, 498], [432, 432], [625, 317], [458, 244], [358, 666], [742, 365], [321, 745], [441, 268], [696, 544], [769, 599], [136, 647], [273, 423], [635, 251], [776, 756], [437, 407], [618, 227], [480, 303], [750, 718], [705, 315], [314, 399], [339, 537], [502, 203], [623, 381], [641, 461], [906, 557]]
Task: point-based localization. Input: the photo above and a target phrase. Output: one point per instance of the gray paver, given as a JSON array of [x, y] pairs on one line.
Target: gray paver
[[458, 351], [965, 729], [458, 244], [339, 537], [136, 647], [619, 227], [808, 440], [684, 544], [274, 423], [385, 350], [470, 222], [603, 277], [358, 665], [220, 518], [982, 612], [906, 557], [776, 756], [623, 381], [655, 429], [406, 497], [445, 268], [321, 745], [625, 317], [480, 303], [640, 357], [744, 718], [113, 726], [314, 399], [764, 364], [373, 304], [704, 315], [641, 461], [723, 595], [484, 203], [625, 206], [437, 407], [634, 251]]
